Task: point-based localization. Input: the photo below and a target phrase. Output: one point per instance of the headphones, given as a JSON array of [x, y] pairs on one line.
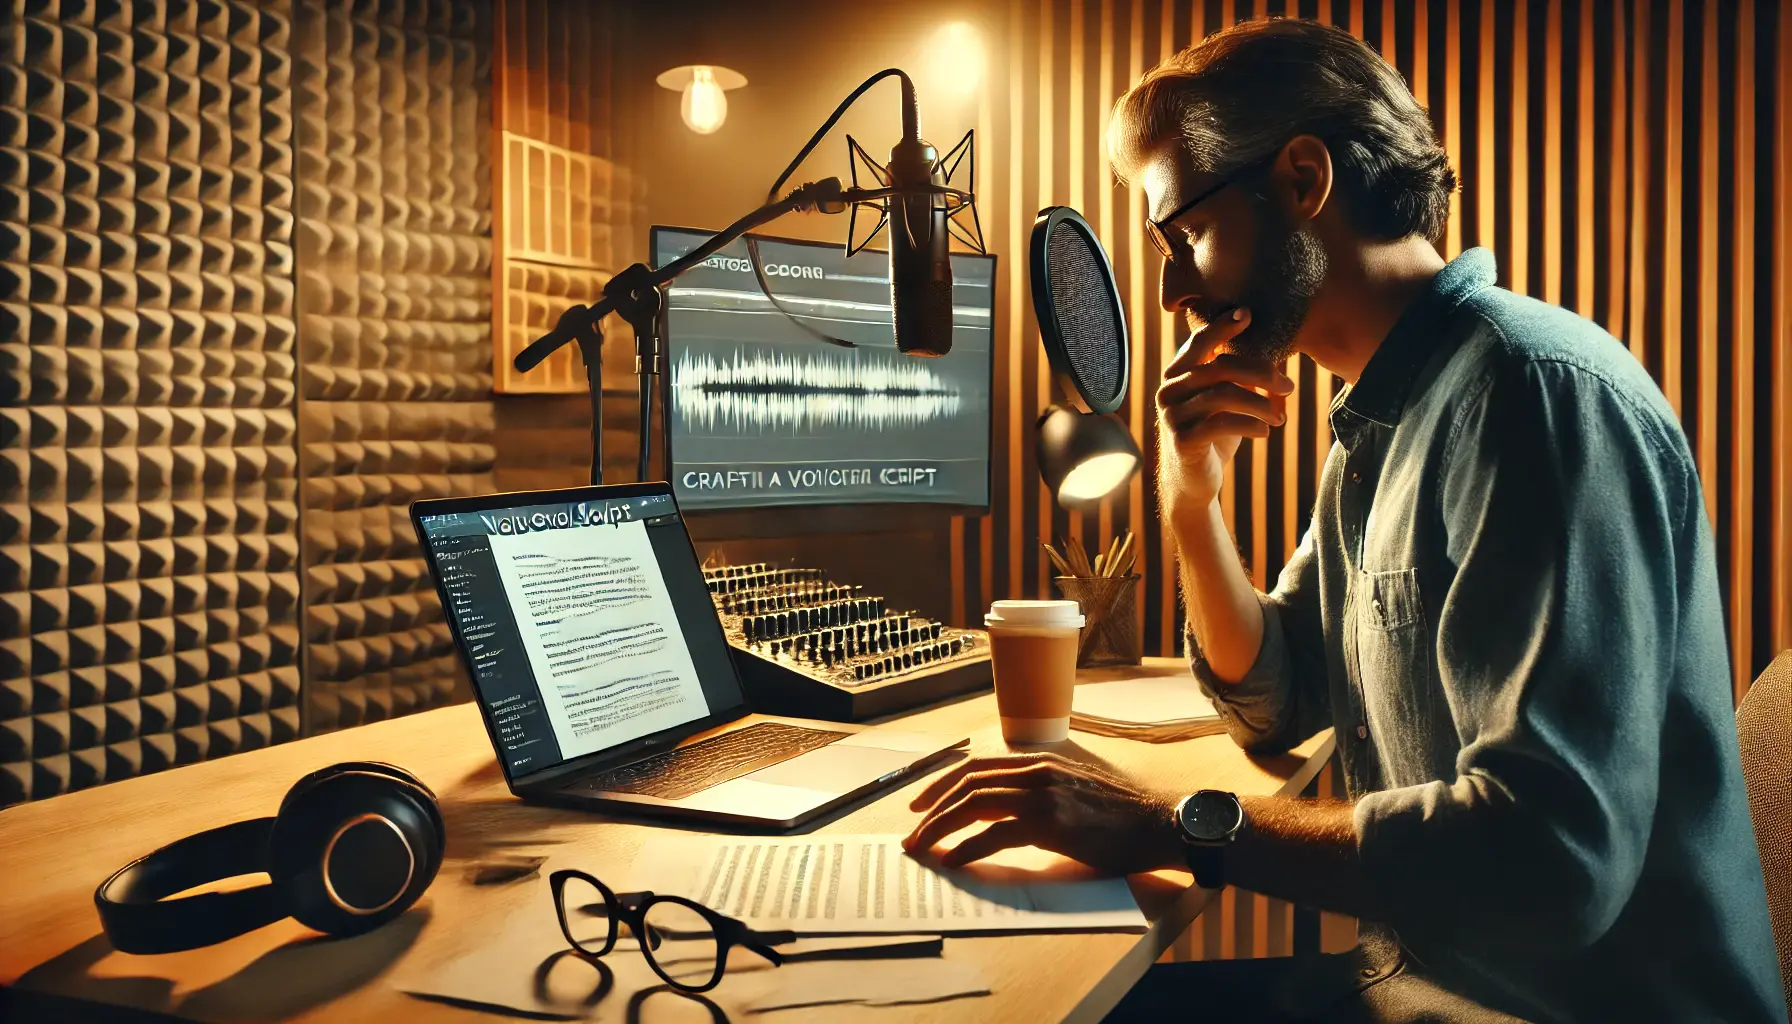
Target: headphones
[[352, 847]]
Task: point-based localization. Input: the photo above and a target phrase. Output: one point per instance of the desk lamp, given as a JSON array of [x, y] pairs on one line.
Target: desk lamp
[[1085, 452]]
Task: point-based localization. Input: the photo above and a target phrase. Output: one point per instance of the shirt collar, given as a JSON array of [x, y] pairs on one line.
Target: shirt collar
[[1381, 392]]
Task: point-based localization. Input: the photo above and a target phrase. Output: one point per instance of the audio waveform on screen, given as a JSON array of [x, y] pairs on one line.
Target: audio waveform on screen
[[773, 391]]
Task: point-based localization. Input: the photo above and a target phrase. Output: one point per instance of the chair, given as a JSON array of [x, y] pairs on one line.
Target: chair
[[1764, 720]]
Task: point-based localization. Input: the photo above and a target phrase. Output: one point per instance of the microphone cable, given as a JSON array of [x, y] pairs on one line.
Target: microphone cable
[[911, 128]]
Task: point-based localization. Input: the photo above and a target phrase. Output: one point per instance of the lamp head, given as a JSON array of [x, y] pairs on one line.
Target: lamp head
[[1084, 457]]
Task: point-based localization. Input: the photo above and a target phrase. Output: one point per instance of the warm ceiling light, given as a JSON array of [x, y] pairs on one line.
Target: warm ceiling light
[[955, 58], [705, 104]]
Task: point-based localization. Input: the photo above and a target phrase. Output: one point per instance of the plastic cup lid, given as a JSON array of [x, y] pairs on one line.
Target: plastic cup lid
[[1034, 613]]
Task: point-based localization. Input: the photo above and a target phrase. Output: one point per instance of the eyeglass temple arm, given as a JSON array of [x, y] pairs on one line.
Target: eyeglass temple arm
[[762, 943]]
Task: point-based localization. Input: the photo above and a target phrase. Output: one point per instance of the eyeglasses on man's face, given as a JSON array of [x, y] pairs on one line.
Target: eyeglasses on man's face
[[684, 942], [1159, 230]]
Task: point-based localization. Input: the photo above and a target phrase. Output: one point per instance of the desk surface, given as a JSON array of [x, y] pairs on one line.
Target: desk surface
[[54, 852]]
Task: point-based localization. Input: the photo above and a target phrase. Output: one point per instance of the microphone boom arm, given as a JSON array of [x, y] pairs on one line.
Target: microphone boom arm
[[624, 294], [635, 295]]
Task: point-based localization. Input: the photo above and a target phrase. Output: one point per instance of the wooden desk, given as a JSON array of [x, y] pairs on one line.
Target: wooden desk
[[53, 853]]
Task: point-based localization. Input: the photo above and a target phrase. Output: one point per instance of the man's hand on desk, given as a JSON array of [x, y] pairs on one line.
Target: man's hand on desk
[[1101, 819]]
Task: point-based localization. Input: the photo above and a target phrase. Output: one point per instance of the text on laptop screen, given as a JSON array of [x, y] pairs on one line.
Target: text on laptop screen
[[583, 622]]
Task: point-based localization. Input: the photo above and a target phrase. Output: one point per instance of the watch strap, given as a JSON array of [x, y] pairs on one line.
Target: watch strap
[[1208, 864]]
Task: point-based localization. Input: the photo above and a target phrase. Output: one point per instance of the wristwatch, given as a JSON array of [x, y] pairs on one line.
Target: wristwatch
[[1208, 822]]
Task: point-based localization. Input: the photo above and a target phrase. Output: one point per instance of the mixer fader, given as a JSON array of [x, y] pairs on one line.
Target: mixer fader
[[807, 645]]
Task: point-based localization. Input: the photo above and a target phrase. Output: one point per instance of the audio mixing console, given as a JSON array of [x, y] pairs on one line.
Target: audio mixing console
[[808, 646]]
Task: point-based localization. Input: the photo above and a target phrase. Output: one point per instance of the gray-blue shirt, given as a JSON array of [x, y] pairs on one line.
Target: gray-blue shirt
[[1507, 606]]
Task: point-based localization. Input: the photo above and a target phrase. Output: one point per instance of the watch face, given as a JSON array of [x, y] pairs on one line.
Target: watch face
[[1210, 816]]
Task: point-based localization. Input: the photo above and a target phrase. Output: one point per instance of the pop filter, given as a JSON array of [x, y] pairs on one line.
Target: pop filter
[[1078, 308]]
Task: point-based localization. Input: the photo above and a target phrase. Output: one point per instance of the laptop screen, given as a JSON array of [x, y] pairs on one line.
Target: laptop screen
[[586, 619]]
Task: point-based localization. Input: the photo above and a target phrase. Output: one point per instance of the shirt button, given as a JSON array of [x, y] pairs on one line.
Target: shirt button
[[1356, 478], [1362, 732]]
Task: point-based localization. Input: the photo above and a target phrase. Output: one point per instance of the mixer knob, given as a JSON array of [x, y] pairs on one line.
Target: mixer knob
[[858, 671], [933, 633], [827, 657], [957, 645]]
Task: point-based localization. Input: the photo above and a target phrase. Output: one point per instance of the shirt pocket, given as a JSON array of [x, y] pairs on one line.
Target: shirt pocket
[[1394, 673]]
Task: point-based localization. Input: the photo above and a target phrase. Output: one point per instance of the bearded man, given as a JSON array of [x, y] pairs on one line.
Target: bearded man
[[1506, 607]]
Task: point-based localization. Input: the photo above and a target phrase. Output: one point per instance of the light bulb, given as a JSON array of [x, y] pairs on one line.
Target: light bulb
[[704, 106], [1096, 477]]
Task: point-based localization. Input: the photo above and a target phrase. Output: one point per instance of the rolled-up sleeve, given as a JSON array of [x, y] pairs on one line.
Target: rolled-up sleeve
[[1283, 699], [1574, 525]]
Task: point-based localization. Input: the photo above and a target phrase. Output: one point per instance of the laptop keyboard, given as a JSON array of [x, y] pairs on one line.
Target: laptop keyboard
[[672, 774]]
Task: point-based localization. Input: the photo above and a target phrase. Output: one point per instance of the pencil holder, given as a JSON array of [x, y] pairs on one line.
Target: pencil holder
[[1110, 608]]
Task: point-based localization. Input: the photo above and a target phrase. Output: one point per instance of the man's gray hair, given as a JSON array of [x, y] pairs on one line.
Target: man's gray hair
[[1239, 96]]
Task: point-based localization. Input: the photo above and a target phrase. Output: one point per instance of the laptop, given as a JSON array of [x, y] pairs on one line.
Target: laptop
[[604, 677]]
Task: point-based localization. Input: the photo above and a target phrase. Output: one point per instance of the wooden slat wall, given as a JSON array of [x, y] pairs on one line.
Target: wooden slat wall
[[1618, 157]]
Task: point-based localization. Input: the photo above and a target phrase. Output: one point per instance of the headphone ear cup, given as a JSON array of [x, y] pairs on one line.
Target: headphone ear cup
[[354, 848], [392, 771]]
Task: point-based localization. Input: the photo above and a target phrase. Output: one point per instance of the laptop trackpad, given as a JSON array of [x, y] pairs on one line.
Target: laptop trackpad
[[835, 768]]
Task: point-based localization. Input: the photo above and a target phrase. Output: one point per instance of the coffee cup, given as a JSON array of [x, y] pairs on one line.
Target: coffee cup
[[1032, 647]]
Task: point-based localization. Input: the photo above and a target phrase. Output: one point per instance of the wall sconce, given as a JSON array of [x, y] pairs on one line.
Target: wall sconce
[[954, 59], [705, 103]]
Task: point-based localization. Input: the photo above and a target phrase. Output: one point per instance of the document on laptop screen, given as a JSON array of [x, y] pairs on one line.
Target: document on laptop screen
[[600, 632], [867, 884]]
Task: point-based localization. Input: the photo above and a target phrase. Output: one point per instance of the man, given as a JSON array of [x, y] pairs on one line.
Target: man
[[1506, 606]]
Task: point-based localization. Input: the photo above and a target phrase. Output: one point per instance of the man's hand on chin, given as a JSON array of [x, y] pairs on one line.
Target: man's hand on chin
[[1043, 800]]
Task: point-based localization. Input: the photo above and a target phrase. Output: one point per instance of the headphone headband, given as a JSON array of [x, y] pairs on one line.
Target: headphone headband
[[137, 917]]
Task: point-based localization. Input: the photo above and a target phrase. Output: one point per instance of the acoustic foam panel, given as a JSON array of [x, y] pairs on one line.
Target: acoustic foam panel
[[394, 241], [149, 547]]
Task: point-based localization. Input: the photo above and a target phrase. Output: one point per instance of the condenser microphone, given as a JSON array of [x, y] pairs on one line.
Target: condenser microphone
[[920, 262]]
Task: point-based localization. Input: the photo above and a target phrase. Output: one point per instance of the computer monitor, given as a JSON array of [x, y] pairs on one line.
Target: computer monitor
[[760, 412]]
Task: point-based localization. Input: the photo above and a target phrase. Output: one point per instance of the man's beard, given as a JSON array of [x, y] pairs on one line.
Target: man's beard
[[1286, 271]]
